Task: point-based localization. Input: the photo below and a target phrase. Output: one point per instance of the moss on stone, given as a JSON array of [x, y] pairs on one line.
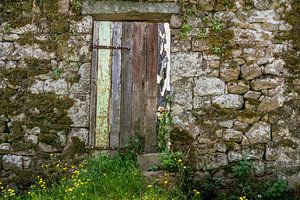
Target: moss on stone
[[287, 143], [22, 146], [48, 138]]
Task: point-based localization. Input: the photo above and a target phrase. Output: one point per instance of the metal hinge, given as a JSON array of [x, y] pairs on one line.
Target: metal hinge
[[110, 47]]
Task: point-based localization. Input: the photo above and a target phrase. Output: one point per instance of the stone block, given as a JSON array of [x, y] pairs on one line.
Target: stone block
[[238, 87], [149, 161], [266, 83], [271, 103], [85, 25], [183, 93], [231, 135], [229, 73], [175, 21], [11, 162], [234, 156], [216, 160], [230, 101], [252, 95], [250, 72], [209, 86], [260, 132], [253, 151], [186, 65]]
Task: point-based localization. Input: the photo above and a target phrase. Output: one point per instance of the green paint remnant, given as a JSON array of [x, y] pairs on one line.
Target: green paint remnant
[[103, 85]]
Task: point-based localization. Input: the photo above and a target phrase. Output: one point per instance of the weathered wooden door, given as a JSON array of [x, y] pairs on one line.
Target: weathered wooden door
[[125, 87]]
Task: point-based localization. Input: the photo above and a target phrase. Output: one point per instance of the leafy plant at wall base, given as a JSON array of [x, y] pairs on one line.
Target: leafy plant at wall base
[[170, 160], [134, 146], [277, 190], [163, 131], [243, 170]]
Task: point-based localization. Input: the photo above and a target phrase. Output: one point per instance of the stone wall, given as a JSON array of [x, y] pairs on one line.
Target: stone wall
[[235, 84], [45, 62]]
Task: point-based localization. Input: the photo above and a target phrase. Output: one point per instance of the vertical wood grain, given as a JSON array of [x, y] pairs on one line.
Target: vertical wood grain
[[116, 87], [93, 86], [126, 86], [151, 87], [139, 64], [104, 85]]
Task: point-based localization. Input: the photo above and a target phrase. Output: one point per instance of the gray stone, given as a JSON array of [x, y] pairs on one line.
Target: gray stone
[[253, 151], [260, 132], [249, 72], [12, 162], [201, 102], [183, 93], [216, 160], [234, 156], [275, 68], [79, 112], [120, 10], [31, 138], [59, 86], [245, 141], [7, 49], [31, 51], [26, 162], [63, 6], [230, 72], [48, 148], [231, 101], [238, 87], [27, 28], [175, 21], [148, 161], [259, 168], [271, 103], [209, 86], [252, 95], [5, 147], [226, 124], [85, 25], [231, 135], [240, 126], [180, 45], [220, 147], [37, 87], [10, 37], [266, 83], [199, 45], [186, 65]]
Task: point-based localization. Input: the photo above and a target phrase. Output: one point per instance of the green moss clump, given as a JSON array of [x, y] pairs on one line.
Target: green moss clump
[[287, 143], [48, 138], [22, 146], [16, 131]]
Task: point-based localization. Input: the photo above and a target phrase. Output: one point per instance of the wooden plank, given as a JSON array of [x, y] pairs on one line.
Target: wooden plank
[[126, 85], [139, 64], [116, 87], [151, 87], [92, 129], [103, 85]]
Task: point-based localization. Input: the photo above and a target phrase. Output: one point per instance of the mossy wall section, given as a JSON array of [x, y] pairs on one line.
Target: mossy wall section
[[45, 63], [235, 78]]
